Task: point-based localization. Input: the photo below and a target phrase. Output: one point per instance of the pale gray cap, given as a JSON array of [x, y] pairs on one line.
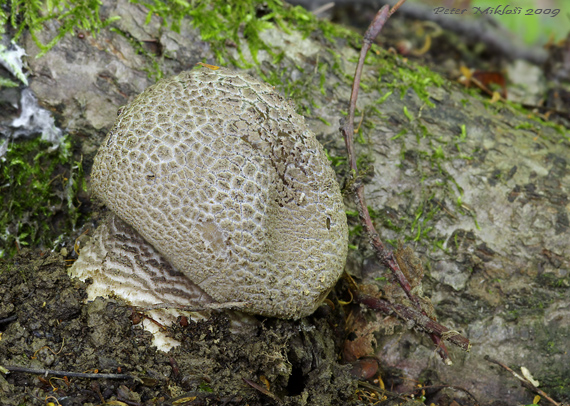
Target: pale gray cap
[[217, 171]]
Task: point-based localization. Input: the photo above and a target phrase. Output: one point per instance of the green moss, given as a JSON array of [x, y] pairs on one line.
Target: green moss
[[525, 126], [154, 69], [552, 340], [7, 83], [323, 69], [39, 185], [460, 139], [408, 114], [552, 281], [3, 21], [220, 23], [33, 14], [384, 97], [560, 129], [204, 387], [517, 108], [336, 160], [417, 223], [299, 89], [402, 78]]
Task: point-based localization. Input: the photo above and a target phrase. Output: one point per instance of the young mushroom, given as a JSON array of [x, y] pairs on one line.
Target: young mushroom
[[231, 193]]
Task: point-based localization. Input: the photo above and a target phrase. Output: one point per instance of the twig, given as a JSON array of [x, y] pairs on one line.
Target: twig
[[71, 374], [323, 8], [8, 319], [385, 256], [262, 390], [348, 129], [195, 308], [397, 6], [419, 320], [525, 382]]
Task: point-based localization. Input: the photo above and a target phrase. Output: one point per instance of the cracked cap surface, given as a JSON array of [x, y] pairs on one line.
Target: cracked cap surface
[[217, 171]]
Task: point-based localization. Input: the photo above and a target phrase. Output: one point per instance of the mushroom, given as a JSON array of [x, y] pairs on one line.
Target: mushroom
[[219, 191]]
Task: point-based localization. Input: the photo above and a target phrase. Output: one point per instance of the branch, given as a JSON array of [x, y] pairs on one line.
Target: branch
[[418, 319], [385, 256], [524, 382], [198, 307]]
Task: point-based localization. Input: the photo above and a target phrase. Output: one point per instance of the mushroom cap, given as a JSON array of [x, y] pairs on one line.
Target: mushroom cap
[[217, 171]]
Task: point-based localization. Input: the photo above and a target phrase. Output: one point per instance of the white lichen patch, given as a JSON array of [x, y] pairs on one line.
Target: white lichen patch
[[11, 59], [34, 119]]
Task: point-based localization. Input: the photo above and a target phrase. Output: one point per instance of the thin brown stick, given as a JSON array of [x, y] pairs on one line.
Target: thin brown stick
[[525, 382], [68, 373], [396, 6], [8, 319], [418, 319], [262, 390], [385, 256], [198, 307], [348, 129]]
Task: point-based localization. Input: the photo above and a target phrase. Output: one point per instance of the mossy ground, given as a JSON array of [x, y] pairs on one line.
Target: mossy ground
[[39, 202]]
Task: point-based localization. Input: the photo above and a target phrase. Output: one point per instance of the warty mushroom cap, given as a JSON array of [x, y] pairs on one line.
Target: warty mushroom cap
[[219, 174]]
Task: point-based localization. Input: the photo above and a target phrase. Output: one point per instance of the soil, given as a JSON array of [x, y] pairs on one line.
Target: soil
[[46, 325]]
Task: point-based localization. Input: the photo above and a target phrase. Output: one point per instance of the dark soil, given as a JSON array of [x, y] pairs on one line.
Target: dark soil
[[44, 324]]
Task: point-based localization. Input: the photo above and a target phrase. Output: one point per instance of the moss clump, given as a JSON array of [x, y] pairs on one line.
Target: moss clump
[[39, 183], [33, 14], [222, 23]]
